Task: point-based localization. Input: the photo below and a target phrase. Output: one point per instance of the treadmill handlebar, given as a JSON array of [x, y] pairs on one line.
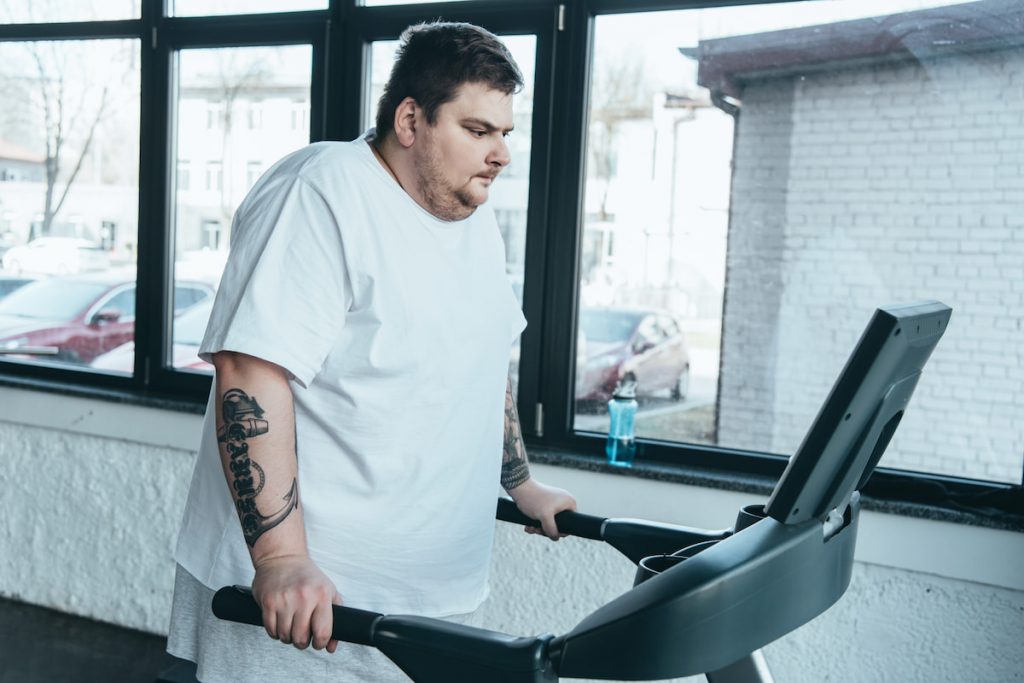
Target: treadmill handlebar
[[351, 625], [572, 523], [236, 603]]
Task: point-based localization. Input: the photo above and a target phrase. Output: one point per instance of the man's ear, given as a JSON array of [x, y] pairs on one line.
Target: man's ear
[[406, 115]]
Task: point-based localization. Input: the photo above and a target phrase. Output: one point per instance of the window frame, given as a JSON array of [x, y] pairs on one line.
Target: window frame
[[986, 498], [340, 37]]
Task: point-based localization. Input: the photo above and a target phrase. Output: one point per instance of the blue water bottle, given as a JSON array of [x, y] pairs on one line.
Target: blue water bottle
[[621, 446]]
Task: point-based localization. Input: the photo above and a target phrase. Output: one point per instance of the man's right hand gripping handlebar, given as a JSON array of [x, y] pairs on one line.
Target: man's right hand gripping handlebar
[[295, 598]]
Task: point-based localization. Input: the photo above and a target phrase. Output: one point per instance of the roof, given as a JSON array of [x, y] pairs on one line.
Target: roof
[[13, 152], [724, 64]]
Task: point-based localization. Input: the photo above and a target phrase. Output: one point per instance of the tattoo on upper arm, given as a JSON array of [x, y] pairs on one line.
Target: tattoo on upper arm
[[243, 420], [514, 467]]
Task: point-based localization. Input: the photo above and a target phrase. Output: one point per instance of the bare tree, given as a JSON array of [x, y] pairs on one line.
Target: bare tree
[[618, 92], [62, 118]]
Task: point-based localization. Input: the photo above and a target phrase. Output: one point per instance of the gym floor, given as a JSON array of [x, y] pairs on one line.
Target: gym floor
[[39, 645]]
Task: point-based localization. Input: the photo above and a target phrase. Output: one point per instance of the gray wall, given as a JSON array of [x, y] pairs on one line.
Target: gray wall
[[858, 187]]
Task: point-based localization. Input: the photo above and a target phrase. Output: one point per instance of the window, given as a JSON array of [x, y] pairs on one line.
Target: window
[[69, 141], [759, 210], [120, 307], [214, 115], [219, 7], [675, 212], [247, 82], [34, 11], [184, 183], [255, 118], [300, 116], [188, 295], [214, 176], [253, 169], [211, 237], [379, 3]]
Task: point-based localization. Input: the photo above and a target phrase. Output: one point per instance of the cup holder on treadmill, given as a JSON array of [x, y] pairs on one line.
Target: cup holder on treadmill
[[656, 564], [749, 514]]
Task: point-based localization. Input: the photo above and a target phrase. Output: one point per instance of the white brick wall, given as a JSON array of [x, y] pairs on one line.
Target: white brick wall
[[860, 187], [93, 493]]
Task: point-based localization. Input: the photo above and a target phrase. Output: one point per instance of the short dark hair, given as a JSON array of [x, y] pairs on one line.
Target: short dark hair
[[434, 59]]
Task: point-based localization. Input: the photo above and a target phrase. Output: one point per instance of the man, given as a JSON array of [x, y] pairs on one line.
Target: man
[[361, 337]]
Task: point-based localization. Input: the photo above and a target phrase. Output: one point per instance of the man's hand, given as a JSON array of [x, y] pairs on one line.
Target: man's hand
[[296, 598], [541, 502]]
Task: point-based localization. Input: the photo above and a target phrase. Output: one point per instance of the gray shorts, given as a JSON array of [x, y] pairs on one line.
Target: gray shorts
[[226, 652]]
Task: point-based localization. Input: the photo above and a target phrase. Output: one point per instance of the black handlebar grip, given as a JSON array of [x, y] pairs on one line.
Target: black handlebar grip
[[574, 523], [235, 603]]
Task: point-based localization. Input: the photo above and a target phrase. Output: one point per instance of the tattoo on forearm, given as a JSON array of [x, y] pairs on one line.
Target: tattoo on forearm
[[514, 466], [243, 420]]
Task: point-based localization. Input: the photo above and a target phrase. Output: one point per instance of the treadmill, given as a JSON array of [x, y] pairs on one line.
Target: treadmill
[[703, 602]]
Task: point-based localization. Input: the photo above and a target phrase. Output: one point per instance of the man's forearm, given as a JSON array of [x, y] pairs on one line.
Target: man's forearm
[[515, 468], [257, 438]]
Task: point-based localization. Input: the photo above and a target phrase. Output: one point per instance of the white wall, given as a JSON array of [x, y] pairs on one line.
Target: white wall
[[93, 491]]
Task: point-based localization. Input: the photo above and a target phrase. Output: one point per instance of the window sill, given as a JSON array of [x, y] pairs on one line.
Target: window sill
[[144, 400], [762, 486]]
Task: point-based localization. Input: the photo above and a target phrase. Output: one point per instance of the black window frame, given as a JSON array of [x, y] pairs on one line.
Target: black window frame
[[340, 37]]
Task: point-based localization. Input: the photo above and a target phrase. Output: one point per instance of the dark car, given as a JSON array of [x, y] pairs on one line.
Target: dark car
[[9, 283], [644, 346], [79, 317]]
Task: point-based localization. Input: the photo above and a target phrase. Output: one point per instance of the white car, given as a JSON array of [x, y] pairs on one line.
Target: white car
[[55, 256]]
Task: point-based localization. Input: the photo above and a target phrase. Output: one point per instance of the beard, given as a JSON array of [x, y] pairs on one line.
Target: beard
[[443, 199]]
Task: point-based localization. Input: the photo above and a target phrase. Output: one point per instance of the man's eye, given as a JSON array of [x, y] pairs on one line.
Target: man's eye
[[479, 133]]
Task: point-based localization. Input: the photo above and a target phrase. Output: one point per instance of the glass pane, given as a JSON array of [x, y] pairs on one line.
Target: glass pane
[[47, 11], [769, 211], [193, 8], [381, 3], [69, 159], [511, 191], [238, 110]]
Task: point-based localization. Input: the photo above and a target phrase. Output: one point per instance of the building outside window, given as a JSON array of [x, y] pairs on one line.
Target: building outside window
[[214, 175], [184, 178], [253, 169], [255, 115], [214, 115]]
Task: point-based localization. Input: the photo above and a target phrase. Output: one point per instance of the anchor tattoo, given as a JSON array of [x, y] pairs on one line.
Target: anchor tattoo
[[243, 420]]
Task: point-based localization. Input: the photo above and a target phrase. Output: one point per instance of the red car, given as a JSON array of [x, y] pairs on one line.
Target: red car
[[189, 328], [9, 283], [644, 346], [79, 317]]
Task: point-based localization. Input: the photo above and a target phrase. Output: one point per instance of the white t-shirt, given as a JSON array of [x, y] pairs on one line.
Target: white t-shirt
[[396, 328]]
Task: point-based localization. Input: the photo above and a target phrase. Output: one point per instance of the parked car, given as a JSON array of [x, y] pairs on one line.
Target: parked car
[[55, 256], [81, 316], [9, 283], [644, 346], [189, 328]]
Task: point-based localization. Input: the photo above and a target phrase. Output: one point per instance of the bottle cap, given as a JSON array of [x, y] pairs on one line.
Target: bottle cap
[[625, 389]]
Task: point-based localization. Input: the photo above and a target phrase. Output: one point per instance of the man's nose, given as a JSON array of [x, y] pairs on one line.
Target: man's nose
[[500, 156]]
